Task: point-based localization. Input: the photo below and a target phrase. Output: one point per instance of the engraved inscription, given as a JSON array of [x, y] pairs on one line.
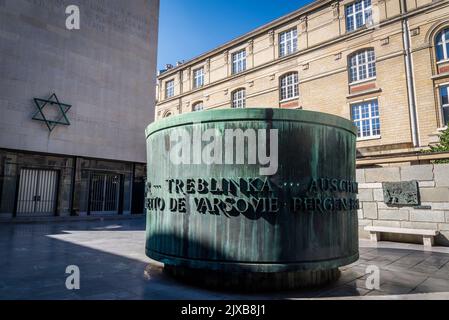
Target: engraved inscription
[[255, 196]]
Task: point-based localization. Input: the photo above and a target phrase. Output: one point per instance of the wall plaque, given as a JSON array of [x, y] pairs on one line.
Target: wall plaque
[[403, 193]]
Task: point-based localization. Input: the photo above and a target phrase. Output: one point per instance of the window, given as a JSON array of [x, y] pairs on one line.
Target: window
[[289, 86], [169, 89], [288, 42], [362, 66], [238, 98], [366, 118], [198, 78], [442, 45], [444, 96], [358, 14], [239, 61], [198, 106]]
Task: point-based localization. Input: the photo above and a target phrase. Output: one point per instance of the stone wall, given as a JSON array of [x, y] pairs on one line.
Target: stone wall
[[105, 70], [433, 212]]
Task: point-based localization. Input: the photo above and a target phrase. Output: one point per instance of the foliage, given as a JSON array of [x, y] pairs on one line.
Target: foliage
[[442, 146]]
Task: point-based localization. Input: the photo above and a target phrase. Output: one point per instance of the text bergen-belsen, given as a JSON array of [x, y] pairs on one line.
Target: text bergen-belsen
[[244, 195]]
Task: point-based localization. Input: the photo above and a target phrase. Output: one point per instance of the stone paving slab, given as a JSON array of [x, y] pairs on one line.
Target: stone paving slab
[[113, 265]]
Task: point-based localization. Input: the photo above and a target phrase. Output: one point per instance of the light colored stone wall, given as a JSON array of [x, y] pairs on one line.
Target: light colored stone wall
[[322, 63], [433, 183], [105, 70]]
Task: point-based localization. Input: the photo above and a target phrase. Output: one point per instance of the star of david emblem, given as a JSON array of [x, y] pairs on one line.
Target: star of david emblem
[[52, 116]]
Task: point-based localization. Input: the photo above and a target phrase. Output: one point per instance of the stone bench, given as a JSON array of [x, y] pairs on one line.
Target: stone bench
[[427, 235]]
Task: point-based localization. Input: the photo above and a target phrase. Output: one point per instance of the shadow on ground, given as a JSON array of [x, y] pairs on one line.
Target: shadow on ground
[[111, 258]]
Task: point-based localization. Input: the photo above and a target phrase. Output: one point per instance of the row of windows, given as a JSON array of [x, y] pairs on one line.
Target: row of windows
[[358, 14], [362, 66], [365, 115], [238, 101], [198, 81], [289, 88]]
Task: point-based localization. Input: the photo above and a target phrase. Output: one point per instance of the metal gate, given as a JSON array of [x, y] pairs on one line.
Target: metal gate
[[37, 192], [104, 193]]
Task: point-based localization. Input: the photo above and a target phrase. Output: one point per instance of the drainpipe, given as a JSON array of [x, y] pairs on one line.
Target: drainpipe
[[409, 75]]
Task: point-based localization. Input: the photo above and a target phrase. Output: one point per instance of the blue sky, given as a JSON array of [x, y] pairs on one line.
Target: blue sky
[[188, 28]]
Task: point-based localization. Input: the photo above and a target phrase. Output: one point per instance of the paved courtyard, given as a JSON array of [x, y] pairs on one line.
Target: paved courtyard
[[110, 255]]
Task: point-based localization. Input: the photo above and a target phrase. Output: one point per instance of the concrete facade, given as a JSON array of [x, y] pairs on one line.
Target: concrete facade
[[433, 213], [324, 48], [106, 71]]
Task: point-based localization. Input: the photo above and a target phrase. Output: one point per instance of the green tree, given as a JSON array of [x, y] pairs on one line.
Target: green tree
[[442, 146]]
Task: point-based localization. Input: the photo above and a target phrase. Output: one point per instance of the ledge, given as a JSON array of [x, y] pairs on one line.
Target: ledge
[[440, 76], [398, 157], [362, 93], [252, 114], [364, 81], [369, 138]]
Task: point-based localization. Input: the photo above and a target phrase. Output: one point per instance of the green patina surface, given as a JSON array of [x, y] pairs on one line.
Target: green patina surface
[[312, 147], [252, 114]]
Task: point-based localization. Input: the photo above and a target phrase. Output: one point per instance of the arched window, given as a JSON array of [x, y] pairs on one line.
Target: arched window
[[239, 98], [362, 65], [198, 106], [442, 45], [289, 86]]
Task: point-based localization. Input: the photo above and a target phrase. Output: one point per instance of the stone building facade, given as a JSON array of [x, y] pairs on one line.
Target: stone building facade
[[382, 63], [82, 150], [431, 213]]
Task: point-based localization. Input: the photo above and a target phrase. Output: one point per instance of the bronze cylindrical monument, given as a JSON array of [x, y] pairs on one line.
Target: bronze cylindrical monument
[[252, 198]]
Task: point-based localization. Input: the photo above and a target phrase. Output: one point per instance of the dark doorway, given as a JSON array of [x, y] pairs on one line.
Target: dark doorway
[[37, 192], [105, 190]]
